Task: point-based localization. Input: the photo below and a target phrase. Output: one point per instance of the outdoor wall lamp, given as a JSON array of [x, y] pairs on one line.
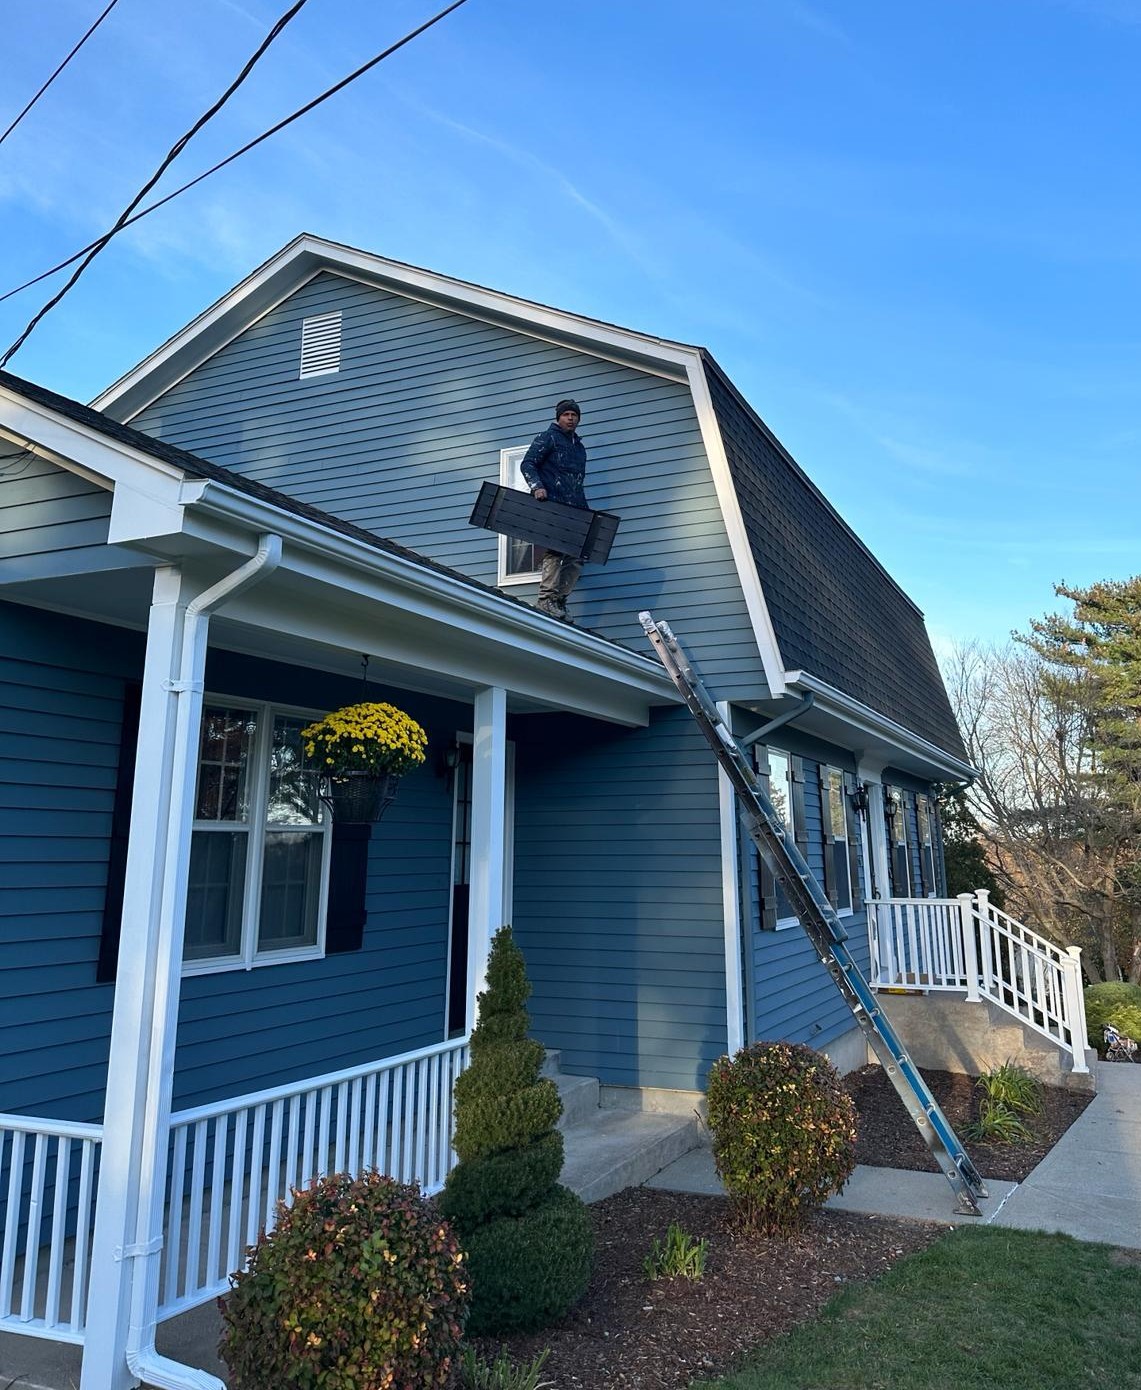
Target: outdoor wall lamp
[[859, 795]]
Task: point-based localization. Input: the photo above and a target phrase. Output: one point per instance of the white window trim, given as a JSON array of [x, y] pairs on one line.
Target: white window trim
[[509, 476], [249, 957], [828, 770]]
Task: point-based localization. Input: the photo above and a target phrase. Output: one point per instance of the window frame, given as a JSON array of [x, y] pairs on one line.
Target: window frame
[[256, 828], [792, 920], [510, 476], [899, 838], [838, 814]]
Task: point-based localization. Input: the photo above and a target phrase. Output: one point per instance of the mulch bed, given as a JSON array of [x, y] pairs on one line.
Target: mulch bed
[[628, 1334]]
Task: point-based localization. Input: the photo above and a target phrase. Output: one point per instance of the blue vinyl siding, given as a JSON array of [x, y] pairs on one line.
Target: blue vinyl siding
[[61, 692], [618, 897], [401, 437], [791, 995], [45, 509]]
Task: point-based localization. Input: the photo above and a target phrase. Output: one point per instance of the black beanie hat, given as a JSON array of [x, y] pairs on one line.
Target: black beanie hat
[[568, 404]]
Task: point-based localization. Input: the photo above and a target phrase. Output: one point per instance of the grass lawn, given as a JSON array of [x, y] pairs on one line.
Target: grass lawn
[[981, 1309]]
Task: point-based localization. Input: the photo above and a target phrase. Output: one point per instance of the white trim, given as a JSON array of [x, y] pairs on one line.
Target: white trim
[[763, 630], [488, 841], [731, 902], [848, 709]]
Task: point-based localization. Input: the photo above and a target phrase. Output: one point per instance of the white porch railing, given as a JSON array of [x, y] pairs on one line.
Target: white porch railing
[[232, 1162], [966, 944], [48, 1179]]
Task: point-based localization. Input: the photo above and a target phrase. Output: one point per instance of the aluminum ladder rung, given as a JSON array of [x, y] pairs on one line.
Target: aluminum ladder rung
[[819, 919]]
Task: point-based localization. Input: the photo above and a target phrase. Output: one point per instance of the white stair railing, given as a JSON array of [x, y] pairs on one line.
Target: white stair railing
[[968, 945]]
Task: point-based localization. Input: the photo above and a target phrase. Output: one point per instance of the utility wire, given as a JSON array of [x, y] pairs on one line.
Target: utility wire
[[176, 149], [58, 70], [245, 149]]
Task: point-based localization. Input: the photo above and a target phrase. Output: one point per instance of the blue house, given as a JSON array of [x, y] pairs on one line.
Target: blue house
[[210, 991]]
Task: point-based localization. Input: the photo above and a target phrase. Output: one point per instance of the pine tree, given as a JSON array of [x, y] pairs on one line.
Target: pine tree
[[528, 1240]]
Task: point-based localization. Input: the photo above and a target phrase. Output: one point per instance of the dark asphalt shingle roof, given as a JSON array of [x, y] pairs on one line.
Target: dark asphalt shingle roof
[[837, 613]]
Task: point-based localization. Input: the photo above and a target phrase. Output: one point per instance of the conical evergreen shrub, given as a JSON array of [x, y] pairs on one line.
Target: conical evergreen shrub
[[528, 1240]]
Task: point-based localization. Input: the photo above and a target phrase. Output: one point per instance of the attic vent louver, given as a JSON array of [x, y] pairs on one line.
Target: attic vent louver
[[321, 344]]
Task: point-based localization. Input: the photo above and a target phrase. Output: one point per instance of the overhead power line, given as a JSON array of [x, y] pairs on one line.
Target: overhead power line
[[58, 70], [237, 154], [172, 154]]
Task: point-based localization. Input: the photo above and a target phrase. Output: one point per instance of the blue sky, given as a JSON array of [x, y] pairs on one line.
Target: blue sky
[[910, 233]]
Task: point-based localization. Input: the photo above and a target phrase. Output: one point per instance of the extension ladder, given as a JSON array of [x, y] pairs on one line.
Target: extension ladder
[[818, 918]]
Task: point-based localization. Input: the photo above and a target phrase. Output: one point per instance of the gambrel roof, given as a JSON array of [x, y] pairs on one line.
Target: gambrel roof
[[826, 616]]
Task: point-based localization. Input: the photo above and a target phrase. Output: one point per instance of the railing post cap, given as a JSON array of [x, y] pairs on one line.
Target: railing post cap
[[1074, 951], [964, 897]]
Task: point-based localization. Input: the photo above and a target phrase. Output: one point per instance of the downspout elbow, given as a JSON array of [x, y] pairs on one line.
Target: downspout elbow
[[164, 1374]]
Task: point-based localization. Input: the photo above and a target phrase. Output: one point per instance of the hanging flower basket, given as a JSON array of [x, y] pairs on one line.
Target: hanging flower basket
[[360, 753], [360, 797]]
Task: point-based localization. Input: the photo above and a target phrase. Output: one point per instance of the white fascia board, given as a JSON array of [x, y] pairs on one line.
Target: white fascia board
[[328, 556], [731, 514], [307, 256], [868, 721]]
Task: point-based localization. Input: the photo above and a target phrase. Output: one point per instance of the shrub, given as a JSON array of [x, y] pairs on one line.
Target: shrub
[[477, 1373], [360, 1286], [784, 1132], [528, 1241], [1113, 1002], [1012, 1086], [678, 1254]]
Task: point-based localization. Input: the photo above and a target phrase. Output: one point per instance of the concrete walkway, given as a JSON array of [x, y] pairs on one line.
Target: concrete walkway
[[1088, 1186]]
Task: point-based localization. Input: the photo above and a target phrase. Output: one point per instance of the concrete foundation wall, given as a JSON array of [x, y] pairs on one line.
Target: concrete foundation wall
[[945, 1033]]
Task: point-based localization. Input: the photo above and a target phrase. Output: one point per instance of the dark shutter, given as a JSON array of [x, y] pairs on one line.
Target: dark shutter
[[851, 820], [120, 834], [348, 882], [767, 884], [829, 838]]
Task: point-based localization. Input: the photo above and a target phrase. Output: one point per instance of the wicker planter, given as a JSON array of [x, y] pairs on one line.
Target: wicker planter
[[358, 798]]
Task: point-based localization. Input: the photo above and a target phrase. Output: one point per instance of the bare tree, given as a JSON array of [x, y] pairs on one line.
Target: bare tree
[[1062, 850]]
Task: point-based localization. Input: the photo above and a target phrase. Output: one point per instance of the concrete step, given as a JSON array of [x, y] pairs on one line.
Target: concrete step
[[579, 1096], [622, 1148]]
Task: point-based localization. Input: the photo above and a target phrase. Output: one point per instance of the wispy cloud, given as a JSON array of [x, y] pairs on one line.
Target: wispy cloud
[[818, 23]]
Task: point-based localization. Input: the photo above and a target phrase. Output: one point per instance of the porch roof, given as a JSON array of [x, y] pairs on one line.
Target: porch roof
[[340, 590]]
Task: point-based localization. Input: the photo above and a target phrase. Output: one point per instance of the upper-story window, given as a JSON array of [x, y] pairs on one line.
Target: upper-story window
[[785, 801], [518, 560], [259, 856], [320, 344], [839, 836], [899, 864]]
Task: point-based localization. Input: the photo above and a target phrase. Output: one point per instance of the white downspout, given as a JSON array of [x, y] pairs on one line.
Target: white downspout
[[144, 1361]]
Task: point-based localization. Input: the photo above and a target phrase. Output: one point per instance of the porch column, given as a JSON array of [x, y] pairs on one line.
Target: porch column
[[488, 837], [877, 838], [127, 1242], [146, 987], [731, 902]]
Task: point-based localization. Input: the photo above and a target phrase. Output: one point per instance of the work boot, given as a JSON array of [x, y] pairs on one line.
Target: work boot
[[551, 607]]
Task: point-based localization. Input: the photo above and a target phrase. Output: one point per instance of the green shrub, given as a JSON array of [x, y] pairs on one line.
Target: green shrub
[[528, 1241], [527, 1270], [360, 1286], [997, 1124], [784, 1132], [678, 1255], [1113, 1002], [1013, 1087], [477, 1373]]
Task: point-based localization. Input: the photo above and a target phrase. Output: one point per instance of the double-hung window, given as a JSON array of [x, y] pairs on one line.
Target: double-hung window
[[837, 829], [926, 846], [518, 560], [259, 857], [785, 803], [895, 811]]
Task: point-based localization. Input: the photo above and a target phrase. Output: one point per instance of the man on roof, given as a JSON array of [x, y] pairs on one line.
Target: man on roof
[[554, 468]]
